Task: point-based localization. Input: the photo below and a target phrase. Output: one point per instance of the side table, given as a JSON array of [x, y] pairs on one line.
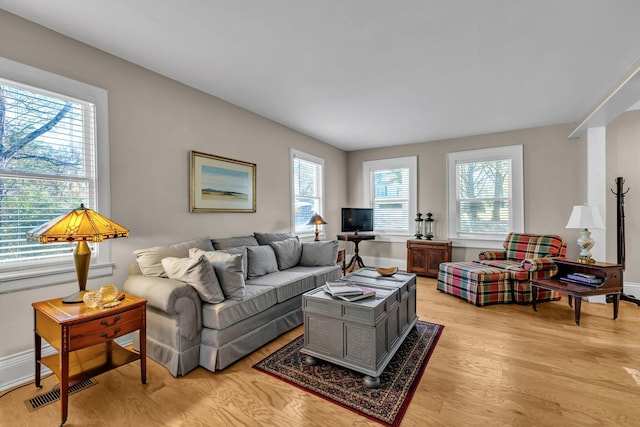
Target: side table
[[84, 338], [356, 239], [611, 285]]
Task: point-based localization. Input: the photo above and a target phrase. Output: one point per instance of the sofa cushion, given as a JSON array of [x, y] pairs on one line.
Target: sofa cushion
[[242, 250], [266, 238], [322, 274], [228, 268], [520, 246], [234, 242], [150, 259], [228, 312], [261, 260], [286, 283], [319, 253], [196, 272], [288, 252]]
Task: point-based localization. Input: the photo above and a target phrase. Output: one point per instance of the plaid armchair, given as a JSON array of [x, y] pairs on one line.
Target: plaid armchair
[[526, 257]]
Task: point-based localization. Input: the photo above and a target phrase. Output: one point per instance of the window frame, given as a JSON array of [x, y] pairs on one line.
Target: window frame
[[297, 154], [514, 153], [410, 162], [30, 275]]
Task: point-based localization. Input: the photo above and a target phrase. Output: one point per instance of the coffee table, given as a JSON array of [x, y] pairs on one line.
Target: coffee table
[[363, 335]]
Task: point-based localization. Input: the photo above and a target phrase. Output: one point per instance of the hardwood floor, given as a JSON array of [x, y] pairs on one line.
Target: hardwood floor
[[501, 365]]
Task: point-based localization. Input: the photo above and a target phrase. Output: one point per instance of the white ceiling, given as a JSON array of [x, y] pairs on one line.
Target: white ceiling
[[368, 73]]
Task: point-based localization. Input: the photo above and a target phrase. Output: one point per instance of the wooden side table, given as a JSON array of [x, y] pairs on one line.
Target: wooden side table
[[84, 340], [356, 239], [610, 273]]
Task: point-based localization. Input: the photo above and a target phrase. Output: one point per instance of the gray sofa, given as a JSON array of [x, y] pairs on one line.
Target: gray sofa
[[213, 301]]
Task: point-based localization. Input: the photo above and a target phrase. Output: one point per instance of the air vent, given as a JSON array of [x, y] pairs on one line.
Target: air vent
[[53, 395]]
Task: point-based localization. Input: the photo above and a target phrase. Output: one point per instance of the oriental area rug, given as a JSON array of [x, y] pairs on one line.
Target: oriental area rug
[[385, 404]]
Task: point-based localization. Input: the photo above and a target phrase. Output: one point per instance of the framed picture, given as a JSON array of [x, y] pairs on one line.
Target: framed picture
[[219, 184]]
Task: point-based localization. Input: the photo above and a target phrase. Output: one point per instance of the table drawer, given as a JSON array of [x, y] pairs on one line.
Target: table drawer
[[101, 330]]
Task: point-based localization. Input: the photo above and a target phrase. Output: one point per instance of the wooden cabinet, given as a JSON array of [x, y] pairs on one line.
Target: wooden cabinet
[[424, 256]]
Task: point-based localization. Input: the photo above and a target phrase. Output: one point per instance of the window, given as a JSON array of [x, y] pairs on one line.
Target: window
[[48, 166], [390, 187], [485, 195], [307, 182]]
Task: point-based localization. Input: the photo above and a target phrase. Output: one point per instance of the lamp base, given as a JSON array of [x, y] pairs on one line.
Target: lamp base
[[585, 260], [74, 298]]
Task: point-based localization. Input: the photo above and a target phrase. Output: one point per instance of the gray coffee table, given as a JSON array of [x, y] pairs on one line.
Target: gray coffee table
[[362, 335]]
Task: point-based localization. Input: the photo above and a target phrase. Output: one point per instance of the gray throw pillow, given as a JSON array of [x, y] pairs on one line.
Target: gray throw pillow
[[319, 253], [197, 273], [261, 260], [150, 259], [228, 268], [266, 238], [234, 242], [288, 252], [242, 250]]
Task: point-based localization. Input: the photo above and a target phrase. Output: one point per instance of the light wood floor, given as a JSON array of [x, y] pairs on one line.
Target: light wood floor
[[501, 365]]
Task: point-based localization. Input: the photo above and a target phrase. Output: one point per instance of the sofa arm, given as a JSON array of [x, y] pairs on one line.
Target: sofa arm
[[492, 255], [167, 295], [539, 264]]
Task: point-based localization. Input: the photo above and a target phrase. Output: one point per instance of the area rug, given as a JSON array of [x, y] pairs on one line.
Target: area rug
[[385, 404]]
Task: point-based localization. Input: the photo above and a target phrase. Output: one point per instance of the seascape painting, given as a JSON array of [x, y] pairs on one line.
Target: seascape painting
[[219, 184]]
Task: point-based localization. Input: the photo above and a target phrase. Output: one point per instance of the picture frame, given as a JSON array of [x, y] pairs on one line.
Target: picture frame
[[220, 184]]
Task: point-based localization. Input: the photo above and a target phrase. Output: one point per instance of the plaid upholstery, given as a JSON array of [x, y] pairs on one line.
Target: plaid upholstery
[[539, 264], [490, 255], [479, 284], [520, 246], [513, 267]]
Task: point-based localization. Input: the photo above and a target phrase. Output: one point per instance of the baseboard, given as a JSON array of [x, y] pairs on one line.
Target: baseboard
[[18, 369], [632, 289]]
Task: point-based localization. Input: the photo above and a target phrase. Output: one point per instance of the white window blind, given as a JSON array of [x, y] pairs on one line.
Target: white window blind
[[307, 182], [47, 166], [485, 195], [54, 155], [391, 190]]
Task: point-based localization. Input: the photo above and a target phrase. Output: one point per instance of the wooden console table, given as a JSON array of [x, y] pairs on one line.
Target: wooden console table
[[84, 339], [356, 239], [611, 285]]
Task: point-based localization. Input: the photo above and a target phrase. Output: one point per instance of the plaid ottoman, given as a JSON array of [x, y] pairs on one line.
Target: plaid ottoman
[[479, 284]]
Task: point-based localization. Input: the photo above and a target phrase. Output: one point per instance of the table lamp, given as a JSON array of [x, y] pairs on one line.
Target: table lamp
[[80, 225], [317, 221], [585, 217]]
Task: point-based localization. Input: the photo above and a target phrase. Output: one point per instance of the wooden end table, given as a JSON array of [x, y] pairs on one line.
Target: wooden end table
[[356, 260], [611, 285], [84, 338]]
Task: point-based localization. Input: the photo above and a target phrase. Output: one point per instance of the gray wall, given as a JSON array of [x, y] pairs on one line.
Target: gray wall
[[153, 123]]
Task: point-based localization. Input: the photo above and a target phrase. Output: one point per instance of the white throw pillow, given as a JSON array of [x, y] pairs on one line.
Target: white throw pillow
[[196, 272]]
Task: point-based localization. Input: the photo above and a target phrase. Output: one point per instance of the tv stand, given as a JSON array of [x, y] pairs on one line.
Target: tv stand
[[356, 239]]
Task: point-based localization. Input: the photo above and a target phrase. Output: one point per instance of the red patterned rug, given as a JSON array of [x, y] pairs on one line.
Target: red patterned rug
[[385, 404]]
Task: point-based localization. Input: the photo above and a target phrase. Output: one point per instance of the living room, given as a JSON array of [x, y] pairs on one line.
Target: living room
[[154, 122]]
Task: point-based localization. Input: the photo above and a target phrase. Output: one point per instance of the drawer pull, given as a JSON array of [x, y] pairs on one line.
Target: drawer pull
[[115, 332], [104, 322]]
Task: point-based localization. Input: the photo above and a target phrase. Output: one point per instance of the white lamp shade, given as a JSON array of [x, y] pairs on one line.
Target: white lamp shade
[[585, 216]]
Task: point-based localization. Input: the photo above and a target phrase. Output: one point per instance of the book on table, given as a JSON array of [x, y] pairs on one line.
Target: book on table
[[347, 291], [583, 279]]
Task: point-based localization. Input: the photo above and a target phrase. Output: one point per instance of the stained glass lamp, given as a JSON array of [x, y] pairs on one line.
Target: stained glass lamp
[[80, 225]]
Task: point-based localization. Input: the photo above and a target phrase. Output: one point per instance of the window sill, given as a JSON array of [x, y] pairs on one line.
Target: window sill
[[39, 277]]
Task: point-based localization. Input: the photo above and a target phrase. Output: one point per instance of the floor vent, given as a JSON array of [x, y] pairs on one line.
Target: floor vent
[[53, 395]]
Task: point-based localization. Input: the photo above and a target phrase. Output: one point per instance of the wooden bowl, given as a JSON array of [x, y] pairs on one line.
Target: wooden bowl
[[387, 271]]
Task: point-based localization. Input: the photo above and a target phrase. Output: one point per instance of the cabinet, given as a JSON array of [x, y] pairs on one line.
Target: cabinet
[[424, 256]]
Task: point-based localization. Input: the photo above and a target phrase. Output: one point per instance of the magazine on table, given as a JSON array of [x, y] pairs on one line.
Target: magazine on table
[[348, 291]]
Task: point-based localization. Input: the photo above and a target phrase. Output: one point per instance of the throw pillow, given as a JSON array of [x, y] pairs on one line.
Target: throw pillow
[[242, 250], [319, 253], [288, 252], [266, 238], [150, 259], [261, 260], [234, 242], [196, 272], [228, 268]]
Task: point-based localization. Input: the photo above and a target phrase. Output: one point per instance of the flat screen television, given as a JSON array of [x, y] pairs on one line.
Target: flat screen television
[[355, 220]]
